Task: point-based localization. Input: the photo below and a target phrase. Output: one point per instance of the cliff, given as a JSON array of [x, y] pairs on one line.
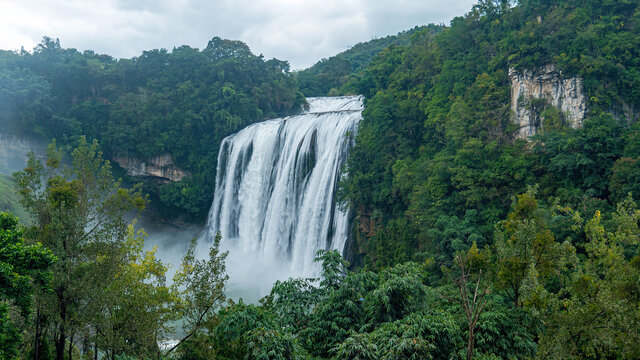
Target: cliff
[[161, 167], [14, 150], [533, 89]]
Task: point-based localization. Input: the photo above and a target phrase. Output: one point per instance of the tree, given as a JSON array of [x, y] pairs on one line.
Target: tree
[[398, 293], [78, 212], [429, 334], [236, 322], [357, 347], [130, 311], [271, 344], [21, 267], [201, 285], [24, 100], [472, 289], [292, 301], [596, 315], [527, 255], [624, 172], [339, 308], [334, 268]]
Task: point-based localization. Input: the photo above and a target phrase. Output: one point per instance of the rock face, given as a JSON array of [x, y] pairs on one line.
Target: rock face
[[530, 87], [14, 150], [161, 167]]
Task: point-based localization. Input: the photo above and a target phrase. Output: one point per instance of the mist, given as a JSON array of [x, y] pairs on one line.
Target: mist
[[251, 277], [14, 150], [171, 241]]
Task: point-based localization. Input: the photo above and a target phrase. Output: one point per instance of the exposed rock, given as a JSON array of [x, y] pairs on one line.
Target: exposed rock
[[161, 167], [630, 114], [367, 224], [14, 150], [547, 84]]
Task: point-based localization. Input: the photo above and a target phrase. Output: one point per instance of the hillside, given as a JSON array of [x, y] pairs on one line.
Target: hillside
[[327, 76], [441, 151], [513, 133], [161, 116]]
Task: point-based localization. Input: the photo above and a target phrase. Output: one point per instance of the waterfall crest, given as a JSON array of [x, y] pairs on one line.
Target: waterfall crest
[[275, 188]]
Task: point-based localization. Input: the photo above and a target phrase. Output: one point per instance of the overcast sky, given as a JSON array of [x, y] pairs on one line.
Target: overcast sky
[[299, 31]]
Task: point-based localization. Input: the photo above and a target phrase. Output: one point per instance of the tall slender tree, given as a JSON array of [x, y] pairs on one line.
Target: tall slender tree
[[471, 287]]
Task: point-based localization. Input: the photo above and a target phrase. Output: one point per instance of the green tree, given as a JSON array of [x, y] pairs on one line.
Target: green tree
[[267, 344], [292, 302], [624, 172], [200, 284], [129, 312], [78, 213], [25, 99], [527, 255], [428, 334], [357, 347], [334, 268], [471, 289], [21, 267], [398, 293], [340, 307], [236, 323], [507, 332], [596, 314]]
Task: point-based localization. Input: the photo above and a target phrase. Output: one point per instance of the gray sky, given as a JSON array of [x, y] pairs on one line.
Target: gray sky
[[299, 31]]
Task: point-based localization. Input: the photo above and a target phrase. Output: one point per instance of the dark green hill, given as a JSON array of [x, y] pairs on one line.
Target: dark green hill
[[438, 158], [327, 76], [175, 105]]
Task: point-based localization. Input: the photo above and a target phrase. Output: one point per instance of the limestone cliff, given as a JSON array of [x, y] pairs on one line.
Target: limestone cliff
[[160, 167], [546, 84], [14, 150]]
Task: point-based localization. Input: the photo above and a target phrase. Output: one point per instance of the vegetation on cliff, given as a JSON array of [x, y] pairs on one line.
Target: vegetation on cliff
[[182, 102], [436, 161], [328, 76]]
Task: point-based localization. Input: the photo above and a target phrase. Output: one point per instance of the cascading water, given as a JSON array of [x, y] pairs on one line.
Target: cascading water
[[275, 191]]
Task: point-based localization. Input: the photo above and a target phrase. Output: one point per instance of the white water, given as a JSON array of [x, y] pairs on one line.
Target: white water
[[275, 191]]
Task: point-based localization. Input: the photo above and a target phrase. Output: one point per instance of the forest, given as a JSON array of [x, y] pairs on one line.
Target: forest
[[182, 102], [468, 241]]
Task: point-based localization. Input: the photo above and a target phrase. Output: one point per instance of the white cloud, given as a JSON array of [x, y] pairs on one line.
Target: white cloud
[[300, 31]]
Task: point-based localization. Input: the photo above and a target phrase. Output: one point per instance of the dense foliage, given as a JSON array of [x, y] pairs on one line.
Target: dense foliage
[[79, 278], [528, 296], [22, 267], [328, 76], [182, 102], [436, 160]]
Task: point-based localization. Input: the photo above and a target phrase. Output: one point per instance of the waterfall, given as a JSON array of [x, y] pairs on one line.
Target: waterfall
[[276, 183]]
